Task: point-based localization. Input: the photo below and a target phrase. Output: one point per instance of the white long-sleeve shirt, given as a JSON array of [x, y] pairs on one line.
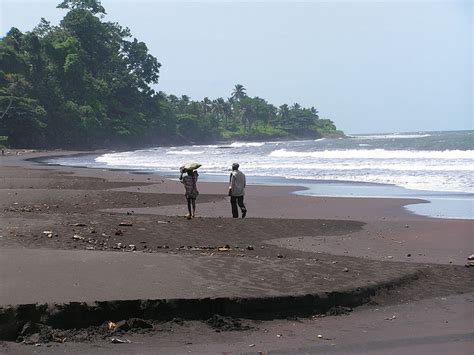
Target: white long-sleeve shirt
[[237, 183]]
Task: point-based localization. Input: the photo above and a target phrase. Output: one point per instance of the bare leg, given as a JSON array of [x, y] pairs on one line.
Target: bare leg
[[189, 208], [194, 206]]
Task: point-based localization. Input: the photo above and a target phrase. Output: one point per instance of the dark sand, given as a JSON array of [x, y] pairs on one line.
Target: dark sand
[[372, 236]]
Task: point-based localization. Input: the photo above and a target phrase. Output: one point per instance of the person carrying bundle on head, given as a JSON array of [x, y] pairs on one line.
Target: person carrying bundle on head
[[190, 185]]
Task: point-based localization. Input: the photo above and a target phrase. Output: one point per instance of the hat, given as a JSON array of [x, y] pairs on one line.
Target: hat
[[235, 166]]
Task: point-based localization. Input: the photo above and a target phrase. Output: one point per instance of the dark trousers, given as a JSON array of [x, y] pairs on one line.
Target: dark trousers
[[234, 200]]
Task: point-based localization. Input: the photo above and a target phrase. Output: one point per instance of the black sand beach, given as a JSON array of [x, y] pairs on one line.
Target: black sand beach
[[288, 245]]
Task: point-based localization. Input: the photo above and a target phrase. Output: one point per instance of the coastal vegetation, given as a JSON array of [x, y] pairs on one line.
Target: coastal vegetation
[[87, 83]]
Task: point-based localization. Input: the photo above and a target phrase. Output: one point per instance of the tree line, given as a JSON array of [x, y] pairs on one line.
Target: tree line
[[87, 83]]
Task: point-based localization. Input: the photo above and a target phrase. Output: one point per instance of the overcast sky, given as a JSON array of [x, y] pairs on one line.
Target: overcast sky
[[372, 66]]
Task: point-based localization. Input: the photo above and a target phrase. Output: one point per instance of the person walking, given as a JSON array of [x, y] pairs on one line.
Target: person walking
[[237, 191], [189, 181]]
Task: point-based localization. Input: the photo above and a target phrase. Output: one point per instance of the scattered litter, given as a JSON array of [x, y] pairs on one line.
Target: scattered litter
[[163, 222], [90, 248], [279, 256], [279, 335], [111, 325], [390, 257], [77, 237], [118, 232], [407, 226], [320, 336], [79, 225], [251, 345], [345, 270], [249, 247], [132, 247], [391, 318], [125, 224], [120, 341], [224, 248]]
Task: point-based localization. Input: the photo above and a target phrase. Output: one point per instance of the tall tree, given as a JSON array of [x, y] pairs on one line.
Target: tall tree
[[238, 93]]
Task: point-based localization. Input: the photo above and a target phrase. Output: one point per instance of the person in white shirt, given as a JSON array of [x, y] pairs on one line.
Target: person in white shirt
[[237, 191]]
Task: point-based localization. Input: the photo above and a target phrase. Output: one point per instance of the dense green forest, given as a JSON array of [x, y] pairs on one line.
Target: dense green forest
[[88, 83]]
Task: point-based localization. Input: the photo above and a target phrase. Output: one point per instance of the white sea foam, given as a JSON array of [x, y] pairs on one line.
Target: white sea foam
[[438, 167], [185, 152], [246, 144], [376, 154]]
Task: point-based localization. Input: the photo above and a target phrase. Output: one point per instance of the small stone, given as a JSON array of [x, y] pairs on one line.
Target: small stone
[[320, 336], [345, 269], [279, 256], [78, 237], [249, 247], [251, 345], [408, 255]]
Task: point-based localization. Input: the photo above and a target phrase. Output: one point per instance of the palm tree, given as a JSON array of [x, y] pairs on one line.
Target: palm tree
[[296, 106], [314, 111], [238, 93], [206, 104], [284, 113]]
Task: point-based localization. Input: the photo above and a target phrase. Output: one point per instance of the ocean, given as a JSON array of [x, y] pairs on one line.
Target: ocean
[[435, 166]]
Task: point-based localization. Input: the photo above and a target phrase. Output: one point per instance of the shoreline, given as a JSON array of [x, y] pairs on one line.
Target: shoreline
[[433, 204]]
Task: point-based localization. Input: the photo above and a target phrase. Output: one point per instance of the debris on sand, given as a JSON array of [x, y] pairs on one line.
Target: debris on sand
[[48, 234], [120, 341], [77, 237], [470, 261], [111, 325], [338, 310], [125, 224], [224, 248], [221, 323]]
